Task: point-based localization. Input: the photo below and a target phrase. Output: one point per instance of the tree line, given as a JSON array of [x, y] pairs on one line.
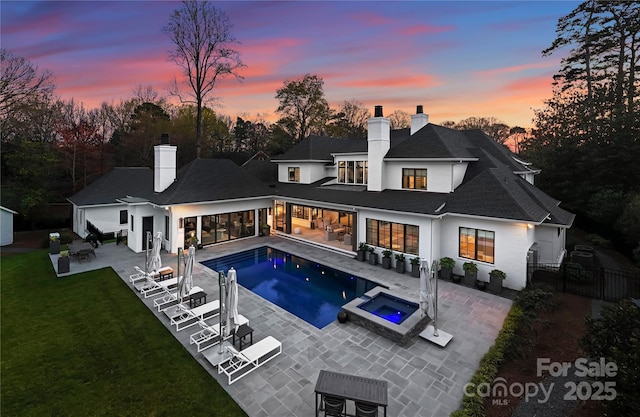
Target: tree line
[[585, 137]]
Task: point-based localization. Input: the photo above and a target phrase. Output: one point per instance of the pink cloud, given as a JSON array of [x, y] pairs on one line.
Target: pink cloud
[[424, 29], [514, 68]]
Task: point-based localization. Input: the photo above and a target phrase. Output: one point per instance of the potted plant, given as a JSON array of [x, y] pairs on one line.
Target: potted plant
[[193, 241], [446, 267], [54, 243], [373, 256], [415, 267], [495, 281], [386, 259], [400, 265], [470, 272], [363, 248], [64, 262], [266, 230]]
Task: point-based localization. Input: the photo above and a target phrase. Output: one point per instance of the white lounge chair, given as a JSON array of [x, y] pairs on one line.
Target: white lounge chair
[[139, 276], [210, 335], [151, 288], [169, 299], [191, 317], [249, 359]]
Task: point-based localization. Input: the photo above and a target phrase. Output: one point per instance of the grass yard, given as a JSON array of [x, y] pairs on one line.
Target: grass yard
[[85, 345]]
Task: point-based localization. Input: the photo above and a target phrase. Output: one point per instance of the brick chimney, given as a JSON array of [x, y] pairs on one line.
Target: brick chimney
[[418, 120], [164, 167], [378, 144]]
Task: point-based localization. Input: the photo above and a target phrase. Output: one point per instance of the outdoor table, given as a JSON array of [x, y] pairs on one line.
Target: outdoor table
[[197, 299], [351, 387], [82, 250], [164, 273], [242, 332]]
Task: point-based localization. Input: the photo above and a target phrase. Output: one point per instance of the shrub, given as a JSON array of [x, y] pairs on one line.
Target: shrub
[[576, 273], [509, 341], [470, 267], [400, 257], [498, 274], [447, 262], [615, 335], [386, 253], [363, 247], [598, 240], [415, 261]]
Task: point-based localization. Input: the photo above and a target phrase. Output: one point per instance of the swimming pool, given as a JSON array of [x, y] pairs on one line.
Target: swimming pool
[[312, 291], [390, 308]]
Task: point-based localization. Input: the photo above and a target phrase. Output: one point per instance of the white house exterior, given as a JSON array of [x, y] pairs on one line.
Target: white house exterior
[[427, 192], [6, 226]]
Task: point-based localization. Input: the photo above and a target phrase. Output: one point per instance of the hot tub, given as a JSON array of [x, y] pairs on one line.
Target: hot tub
[[387, 314], [390, 308]]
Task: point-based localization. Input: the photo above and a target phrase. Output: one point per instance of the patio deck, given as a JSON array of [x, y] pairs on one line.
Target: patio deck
[[423, 379]]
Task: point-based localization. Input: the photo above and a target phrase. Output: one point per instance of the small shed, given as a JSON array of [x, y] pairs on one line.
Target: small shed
[[6, 226]]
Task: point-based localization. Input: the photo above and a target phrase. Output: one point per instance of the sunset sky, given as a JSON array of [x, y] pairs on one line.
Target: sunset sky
[[458, 59]]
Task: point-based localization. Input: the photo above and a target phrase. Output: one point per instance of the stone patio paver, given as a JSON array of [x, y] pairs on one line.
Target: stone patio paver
[[423, 378]]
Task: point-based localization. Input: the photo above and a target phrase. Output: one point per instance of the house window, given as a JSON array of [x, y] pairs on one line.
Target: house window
[[123, 216], [294, 174], [395, 236], [414, 179], [300, 212], [352, 172], [477, 244], [166, 227]]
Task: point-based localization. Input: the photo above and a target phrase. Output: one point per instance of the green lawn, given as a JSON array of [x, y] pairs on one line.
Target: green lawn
[[85, 345]]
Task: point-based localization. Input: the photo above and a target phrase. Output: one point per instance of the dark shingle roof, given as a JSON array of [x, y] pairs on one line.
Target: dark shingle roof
[[432, 141], [211, 180], [320, 148], [264, 170], [118, 183], [489, 189], [356, 196]]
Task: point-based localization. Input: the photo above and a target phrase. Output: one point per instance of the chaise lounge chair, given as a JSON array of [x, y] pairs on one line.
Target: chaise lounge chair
[[210, 335], [139, 276], [170, 299], [151, 288], [191, 317], [249, 359]]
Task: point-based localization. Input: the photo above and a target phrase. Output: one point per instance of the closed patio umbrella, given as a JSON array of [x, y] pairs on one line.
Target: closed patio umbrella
[[154, 262], [427, 295], [231, 303], [186, 282]]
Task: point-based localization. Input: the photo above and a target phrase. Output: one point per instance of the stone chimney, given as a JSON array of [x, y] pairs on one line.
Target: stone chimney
[[378, 144], [418, 120], [164, 167]]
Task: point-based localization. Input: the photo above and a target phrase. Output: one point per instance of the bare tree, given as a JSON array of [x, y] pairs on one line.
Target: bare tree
[[400, 119], [202, 37], [21, 86]]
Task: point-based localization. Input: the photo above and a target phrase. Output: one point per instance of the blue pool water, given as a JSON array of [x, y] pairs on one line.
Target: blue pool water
[[390, 308], [312, 291]]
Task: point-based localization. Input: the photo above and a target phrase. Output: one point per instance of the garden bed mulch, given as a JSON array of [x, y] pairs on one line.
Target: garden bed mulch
[[556, 336]]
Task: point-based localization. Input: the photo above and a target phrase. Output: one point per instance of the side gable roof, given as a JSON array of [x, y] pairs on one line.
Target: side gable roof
[[118, 183], [211, 180], [320, 148]]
